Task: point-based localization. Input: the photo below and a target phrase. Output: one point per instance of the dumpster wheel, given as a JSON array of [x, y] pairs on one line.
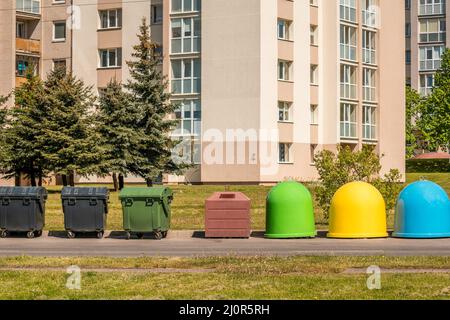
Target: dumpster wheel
[[100, 234], [128, 235], [140, 235], [4, 234], [158, 235], [71, 234], [30, 234], [164, 234], [39, 233]]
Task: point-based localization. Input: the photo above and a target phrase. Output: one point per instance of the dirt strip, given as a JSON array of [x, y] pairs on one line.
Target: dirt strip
[[397, 271]]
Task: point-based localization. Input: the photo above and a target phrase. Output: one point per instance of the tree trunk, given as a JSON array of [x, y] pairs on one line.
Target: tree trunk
[[17, 180], [64, 180], [121, 182], [115, 183], [72, 179], [40, 180], [149, 183], [33, 178]]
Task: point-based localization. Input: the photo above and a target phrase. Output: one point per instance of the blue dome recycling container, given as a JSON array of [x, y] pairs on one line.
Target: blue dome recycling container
[[422, 212]]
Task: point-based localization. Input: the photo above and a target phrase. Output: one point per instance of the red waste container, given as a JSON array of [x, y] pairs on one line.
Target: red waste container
[[227, 215]]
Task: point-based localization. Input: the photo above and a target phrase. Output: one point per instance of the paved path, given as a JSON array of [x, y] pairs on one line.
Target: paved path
[[187, 243]]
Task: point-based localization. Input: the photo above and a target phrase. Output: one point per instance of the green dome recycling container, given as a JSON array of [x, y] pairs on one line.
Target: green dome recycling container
[[289, 212]]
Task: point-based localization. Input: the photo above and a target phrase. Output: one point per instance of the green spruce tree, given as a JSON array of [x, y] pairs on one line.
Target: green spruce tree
[[434, 119], [151, 100], [118, 127], [22, 151], [72, 143]]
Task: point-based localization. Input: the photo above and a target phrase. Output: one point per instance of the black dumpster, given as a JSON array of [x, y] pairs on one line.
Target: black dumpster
[[85, 210], [22, 209]]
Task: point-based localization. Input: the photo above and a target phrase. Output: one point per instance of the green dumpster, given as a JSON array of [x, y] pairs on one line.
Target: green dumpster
[[146, 210], [289, 212]]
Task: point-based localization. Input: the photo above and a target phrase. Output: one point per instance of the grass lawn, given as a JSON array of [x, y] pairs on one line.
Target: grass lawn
[[223, 278], [188, 205]]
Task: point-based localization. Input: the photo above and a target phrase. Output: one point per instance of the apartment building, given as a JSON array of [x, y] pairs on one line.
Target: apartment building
[[262, 85], [426, 38]]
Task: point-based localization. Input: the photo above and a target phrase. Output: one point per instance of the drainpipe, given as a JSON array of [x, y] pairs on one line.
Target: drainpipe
[[71, 37]]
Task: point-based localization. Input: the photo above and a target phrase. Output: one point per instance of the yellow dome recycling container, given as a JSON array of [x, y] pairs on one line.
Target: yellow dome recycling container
[[358, 211]]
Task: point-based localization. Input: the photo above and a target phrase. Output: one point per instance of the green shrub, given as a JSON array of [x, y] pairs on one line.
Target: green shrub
[[336, 170], [428, 166]]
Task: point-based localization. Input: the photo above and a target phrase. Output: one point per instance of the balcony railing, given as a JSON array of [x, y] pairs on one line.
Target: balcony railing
[[28, 45]]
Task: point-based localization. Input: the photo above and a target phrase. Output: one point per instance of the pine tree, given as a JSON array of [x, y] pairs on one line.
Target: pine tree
[[22, 152], [151, 100], [118, 127], [434, 119], [72, 143]]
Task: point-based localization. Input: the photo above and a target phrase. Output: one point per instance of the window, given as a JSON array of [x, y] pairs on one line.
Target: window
[[30, 6], [110, 19], [284, 70], [59, 1], [314, 35], [314, 74], [432, 30], [157, 13], [110, 58], [23, 63], [284, 153], [348, 120], [59, 31], [348, 81], [348, 42], [369, 13], [408, 30], [347, 10], [59, 64], [369, 49], [430, 7], [186, 76], [426, 84], [312, 153], [430, 57], [185, 36], [188, 115], [408, 57], [369, 84], [284, 27], [284, 111], [369, 123], [179, 6], [314, 110], [21, 30]]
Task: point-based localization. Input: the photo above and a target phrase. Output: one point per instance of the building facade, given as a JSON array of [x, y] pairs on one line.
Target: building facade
[[426, 38], [261, 85]]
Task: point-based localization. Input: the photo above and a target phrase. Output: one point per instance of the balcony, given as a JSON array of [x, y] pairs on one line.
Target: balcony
[[20, 81], [432, 9], [28, 7], [28, 46]]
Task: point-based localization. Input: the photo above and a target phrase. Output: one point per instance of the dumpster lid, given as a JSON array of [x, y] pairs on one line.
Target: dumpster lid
[[85, 192], [21, 192], [153, 192]]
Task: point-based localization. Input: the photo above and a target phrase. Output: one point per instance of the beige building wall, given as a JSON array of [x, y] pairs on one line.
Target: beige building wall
[[231, 78], [7, 46], [55, 50]]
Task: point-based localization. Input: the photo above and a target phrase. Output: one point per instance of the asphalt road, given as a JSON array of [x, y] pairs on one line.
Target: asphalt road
[[188, 244]]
